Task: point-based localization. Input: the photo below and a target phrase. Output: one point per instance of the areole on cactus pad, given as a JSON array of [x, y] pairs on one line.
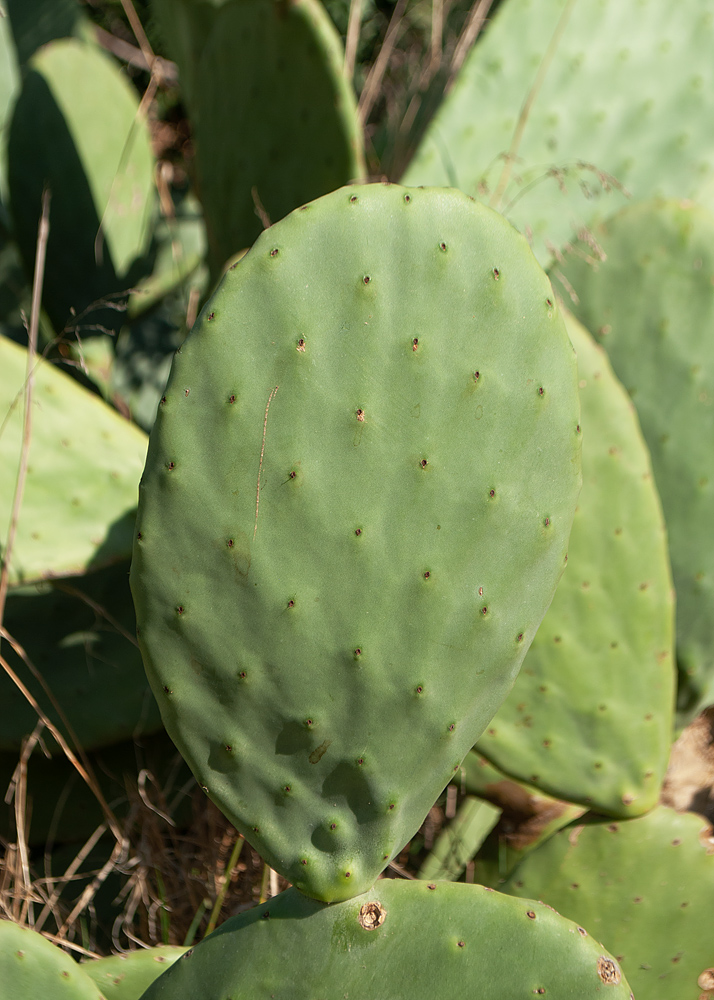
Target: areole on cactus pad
[[354, 513]]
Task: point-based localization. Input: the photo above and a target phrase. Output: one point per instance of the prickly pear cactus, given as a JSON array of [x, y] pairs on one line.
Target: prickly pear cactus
[[126, 977], [76, 441], [564, 109], [651, 306], [354, 512], [405, 936], [275, 120], [590, 716], [91, 148], [31, 966], [644, 886]]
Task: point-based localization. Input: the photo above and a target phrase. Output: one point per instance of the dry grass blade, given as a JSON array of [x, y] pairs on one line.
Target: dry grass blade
[[471, 30], [354, 25], [370, 91], [43, 233]]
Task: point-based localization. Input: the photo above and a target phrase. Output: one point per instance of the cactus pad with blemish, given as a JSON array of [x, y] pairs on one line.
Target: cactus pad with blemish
[[397, 940], [589, 718], [643, 886], [353, 516]]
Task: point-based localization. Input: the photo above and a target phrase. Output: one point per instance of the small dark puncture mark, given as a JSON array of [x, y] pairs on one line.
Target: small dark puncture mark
[[360, 761], [519, 637], [292, 474], [163, 400], [358, 532], [353, 199], [496, 273], [419, 688], [407, 198], [546, 522], [492, 494], [291, 603], [186, 392], [232, 398], [242, 675], [229, 748], [357, 653], [427, 574], [431, 886], [167, 690], [477, 376], [442, 246], [366, 279], [139, 535], [541, 390], [539, 989], [180, 609], [484, 610], [303, 861], [211, 316], [274, 252], [300, 345], [415, 344], [360, 415], [451, 727], [170, 466], [230, 543], [530, 914], [460, 944], [549, 303], [423, 463], [582, 932]]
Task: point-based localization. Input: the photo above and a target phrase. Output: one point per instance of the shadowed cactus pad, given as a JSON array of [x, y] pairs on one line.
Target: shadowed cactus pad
[[31, 966], [354, 513], [397, 941]]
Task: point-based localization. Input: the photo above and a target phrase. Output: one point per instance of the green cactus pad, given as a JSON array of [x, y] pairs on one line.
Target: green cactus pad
[[651, 306], [31, 966], [458, 843], [621, 104], [84, 465], [398, 940], [644, 886], [274, 118], [76, 130], [589, 718], [126, 977], [355, 510]]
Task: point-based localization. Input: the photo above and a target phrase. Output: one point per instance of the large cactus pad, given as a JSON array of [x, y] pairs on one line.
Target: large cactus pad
[[353, 516], [398, 940]]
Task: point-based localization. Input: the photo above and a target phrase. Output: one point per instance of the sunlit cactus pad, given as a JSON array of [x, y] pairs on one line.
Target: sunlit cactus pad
[[644, 886], [589, 718], [354, 513], [84, 463], [415, 939], [31, 966], [651, 306]]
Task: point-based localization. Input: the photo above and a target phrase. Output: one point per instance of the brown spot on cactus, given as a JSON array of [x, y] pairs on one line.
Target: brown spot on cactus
[[442, 246], [274, 252], [358, 532], [608, 971], [460, 944], [407, 198], [230, 543], [496, 273], [582, 932], [706, 980], [301, 345], [431, 886], [372, 915], [211, 316], [232, 398], [415, 343], [423, 463], [291, 603], [367, 278], [360, 415], [353, 199], [530, 914]]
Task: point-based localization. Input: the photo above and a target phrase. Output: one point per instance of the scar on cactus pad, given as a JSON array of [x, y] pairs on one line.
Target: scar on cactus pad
[[447, 475]]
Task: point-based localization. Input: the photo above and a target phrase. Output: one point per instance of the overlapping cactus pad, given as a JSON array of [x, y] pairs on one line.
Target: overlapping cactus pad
[[274, 117], [414, 939], [355, 509], [644, 886], [31, 966], [564, 109], [590, 716], [651, 305], [84, 463], [127, 977]]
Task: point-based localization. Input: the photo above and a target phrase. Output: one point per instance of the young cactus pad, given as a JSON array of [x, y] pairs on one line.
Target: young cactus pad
[[354, 513], [402, 939]]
